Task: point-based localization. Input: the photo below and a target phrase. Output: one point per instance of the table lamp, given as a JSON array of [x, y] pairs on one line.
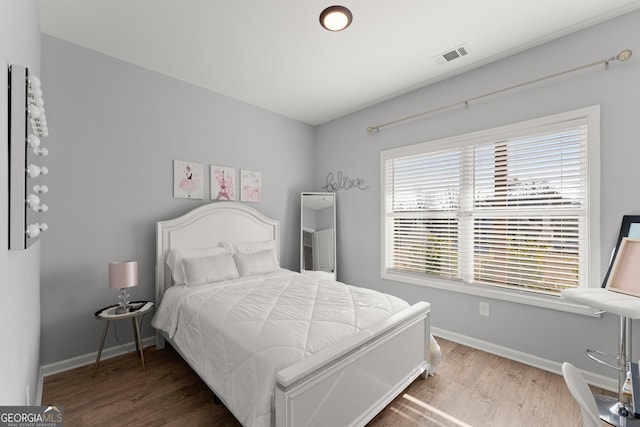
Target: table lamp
[[123, 275]]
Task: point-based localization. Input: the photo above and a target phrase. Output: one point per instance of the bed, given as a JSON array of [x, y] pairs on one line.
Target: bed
[[250, 335]]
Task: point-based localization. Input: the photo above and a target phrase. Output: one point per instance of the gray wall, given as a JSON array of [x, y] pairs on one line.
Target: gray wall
[[19, 270], [345, 145], [115, 131]]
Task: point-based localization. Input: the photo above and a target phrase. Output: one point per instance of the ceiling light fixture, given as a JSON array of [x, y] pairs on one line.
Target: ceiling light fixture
[[335, 18]]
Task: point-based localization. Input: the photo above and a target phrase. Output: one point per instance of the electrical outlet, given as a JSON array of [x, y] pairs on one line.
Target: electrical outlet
[[484, 309]]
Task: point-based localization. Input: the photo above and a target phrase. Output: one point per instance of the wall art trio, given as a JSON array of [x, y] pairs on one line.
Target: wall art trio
[[189, 179]]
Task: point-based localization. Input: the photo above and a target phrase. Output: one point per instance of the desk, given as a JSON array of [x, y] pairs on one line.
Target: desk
[[107, 314]]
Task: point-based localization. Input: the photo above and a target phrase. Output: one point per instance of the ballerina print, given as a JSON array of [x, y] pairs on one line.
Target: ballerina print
[[187, 180]]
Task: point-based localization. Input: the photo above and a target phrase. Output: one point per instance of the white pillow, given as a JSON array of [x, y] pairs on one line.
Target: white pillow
[[175, 257], [253, 263], [209, 269], [248, 247]]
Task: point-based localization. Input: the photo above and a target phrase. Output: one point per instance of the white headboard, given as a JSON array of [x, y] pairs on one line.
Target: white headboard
[[206, 226]]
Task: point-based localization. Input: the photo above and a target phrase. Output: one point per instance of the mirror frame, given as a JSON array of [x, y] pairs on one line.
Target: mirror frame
[[331, 196]]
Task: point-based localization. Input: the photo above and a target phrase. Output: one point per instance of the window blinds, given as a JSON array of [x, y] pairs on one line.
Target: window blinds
[[511, 212]]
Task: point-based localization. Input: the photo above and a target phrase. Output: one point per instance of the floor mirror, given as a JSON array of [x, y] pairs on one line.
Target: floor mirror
[[318, 234]]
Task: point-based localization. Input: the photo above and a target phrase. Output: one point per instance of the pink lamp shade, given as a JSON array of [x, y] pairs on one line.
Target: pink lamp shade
[[123, 274]]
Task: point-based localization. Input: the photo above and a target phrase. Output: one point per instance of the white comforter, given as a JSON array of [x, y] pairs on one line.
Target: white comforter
[[237, 334]]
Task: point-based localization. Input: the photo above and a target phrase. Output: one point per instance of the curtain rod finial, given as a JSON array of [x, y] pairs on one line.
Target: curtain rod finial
[[624, 55]]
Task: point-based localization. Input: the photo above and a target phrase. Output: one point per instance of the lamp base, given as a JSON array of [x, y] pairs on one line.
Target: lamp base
[[122, 309], [124, 298]]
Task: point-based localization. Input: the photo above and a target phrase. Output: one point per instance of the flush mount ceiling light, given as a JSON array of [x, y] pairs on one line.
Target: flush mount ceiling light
[[335, 18]]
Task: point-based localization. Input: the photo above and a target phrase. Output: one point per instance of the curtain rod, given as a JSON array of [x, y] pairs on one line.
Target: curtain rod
[[622, 56]]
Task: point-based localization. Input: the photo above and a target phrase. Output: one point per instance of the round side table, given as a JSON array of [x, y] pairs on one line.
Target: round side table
[[114, 312]]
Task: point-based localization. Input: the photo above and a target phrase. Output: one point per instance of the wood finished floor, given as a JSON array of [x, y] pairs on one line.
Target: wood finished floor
[[471, 388]]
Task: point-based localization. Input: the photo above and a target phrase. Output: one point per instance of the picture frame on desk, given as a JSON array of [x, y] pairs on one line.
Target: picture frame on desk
[[630, 228], [625, 270]]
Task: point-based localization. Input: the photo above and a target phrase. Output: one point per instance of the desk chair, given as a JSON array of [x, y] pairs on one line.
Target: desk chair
[[582, 394]]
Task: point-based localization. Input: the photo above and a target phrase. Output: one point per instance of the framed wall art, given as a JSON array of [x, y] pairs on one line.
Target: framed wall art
[[223, 183], [187, 180], [250, 186]]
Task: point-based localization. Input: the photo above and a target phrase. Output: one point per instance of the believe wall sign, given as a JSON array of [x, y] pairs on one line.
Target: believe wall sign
[[337, 182]]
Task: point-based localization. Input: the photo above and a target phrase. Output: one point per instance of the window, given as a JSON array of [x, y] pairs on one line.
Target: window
[[514, 207]]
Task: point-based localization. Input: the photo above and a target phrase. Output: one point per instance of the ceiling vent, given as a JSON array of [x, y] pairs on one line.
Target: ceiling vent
[[452, 54]]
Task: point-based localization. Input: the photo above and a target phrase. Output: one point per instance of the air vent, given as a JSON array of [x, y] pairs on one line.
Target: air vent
[[452, 54]]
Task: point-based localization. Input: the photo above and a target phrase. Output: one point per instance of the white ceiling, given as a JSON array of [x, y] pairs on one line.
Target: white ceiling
[[274, 54]]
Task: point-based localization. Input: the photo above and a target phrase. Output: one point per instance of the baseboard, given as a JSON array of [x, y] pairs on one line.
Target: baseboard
[[90, 358], [597, 380]]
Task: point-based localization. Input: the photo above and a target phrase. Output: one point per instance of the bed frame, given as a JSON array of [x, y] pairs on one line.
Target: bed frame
[[367, 370]]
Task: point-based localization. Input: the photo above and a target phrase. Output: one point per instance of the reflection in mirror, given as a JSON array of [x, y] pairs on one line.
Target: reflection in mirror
[[318, 234]]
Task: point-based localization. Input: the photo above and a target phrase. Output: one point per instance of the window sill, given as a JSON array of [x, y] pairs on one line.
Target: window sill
[[520, 297]]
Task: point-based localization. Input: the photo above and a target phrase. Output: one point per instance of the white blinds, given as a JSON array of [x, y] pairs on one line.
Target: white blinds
[[511, 212]]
